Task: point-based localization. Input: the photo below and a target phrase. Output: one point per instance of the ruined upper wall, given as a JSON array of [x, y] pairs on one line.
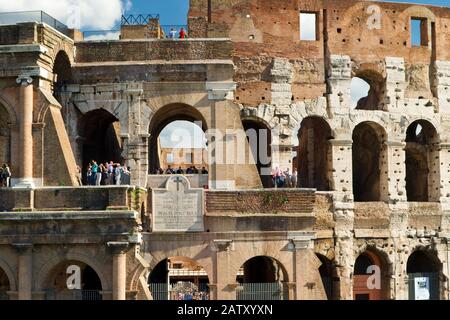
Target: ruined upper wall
[[366, 31], [151, 49]]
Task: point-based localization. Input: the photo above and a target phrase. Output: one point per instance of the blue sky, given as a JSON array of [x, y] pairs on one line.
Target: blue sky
[[171, 11]]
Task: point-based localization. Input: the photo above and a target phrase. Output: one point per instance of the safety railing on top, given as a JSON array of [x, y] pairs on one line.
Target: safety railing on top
[[10, 18]]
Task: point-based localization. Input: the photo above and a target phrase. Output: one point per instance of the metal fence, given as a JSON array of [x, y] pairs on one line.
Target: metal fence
[[67, 294], [260, 291], [9, 18], [137, 19], [179, 291]]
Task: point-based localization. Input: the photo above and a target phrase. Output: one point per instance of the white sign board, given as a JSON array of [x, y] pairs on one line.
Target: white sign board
[[177, 207], [422, 288]]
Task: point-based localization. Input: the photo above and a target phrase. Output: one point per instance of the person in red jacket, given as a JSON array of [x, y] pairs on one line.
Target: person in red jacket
[[183, 34]]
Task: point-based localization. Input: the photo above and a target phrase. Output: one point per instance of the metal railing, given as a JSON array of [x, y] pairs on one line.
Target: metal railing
[[66, 294], [260, 291], [179, 291], [10, 18], [137, 19]]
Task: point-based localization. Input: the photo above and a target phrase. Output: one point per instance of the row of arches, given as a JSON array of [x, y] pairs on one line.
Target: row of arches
[[370, 159], [259, 278]]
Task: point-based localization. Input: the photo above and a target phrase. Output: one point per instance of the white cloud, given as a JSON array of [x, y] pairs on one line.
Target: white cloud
[[358, 89], [81, 14], [102, 36], [182, 134]]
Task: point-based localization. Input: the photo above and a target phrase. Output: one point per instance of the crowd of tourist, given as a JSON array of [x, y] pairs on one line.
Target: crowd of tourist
[[108, 173], [284, 179], [5, 175], [190, 170], [192, 295]]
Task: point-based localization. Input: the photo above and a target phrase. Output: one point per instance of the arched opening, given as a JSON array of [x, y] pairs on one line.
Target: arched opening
[[99, 132], [178, 278], [177, 139], [424, 271], [370, 279], [261, 278], [65, 274], [367, 90], [260, 140], [329, 279], [5, 136], [4, 285], [63, 74], [314, 154], [369, 162], [422, 159]]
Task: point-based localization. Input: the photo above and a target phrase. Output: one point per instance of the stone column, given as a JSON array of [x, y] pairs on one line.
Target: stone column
[[221, 143], [302, 245], [119, 271], [396, 171], [223, 287], [25, 260], [25, 132], [135, 136], [341, 167]]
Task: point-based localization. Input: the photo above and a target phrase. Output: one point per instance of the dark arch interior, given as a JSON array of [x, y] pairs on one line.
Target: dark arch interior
[[159, 273], [327, 276], [362, 263], [375, 81], [261, 148], [163, 117], [262, 269], [313, 154], [62, 71], [422, 262], [366, 153], [420, 137], [57, 289], [4, 285], [101, 137]]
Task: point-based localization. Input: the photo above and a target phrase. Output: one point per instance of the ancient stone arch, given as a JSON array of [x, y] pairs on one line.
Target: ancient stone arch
[[47, 267], [10, 274]]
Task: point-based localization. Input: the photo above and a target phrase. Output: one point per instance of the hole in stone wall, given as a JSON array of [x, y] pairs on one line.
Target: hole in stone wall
[[308, 26], [366, 90], [419, 32]]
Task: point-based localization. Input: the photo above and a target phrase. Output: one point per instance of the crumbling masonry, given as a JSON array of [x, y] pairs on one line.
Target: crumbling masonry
[[374, 175]]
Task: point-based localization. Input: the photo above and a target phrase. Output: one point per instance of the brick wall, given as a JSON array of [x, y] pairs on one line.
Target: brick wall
[[153, 50], [261, 201]]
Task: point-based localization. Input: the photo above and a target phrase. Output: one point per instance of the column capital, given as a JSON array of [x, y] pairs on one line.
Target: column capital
[[118, 247], [23, 248], [222, 245], [24, 79], [303, 241]]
